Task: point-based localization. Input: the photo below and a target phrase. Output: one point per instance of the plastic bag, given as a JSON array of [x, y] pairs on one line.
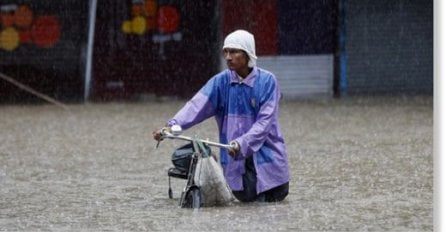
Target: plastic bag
[[214, 189]]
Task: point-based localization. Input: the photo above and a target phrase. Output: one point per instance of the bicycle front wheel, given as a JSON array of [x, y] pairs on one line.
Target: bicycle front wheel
[[194, 198]]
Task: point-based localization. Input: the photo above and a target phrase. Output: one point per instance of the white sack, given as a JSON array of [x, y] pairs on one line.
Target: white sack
[[214, 189]]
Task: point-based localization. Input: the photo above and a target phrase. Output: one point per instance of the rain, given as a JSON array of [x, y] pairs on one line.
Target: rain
[[77, 153]]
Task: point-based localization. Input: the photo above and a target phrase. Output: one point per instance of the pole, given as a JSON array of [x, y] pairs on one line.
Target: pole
[[32, 91], [89, 58]]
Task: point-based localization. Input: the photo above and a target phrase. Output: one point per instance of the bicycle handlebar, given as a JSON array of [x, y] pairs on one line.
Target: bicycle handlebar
[[165, 133]]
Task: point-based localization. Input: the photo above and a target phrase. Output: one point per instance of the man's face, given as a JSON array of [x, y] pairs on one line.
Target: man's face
[[236, 59]]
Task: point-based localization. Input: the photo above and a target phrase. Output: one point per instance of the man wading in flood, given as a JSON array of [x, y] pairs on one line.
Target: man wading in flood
[[244, 100]]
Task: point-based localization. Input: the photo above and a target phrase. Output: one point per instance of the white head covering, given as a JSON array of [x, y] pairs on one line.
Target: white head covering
[[243, 40]]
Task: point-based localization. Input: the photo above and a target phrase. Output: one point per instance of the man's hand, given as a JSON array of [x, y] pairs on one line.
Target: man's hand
[[235, 148], [157, 134]]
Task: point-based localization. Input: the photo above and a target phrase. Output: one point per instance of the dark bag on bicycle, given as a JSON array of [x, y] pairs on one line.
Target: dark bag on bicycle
[[182, 157]]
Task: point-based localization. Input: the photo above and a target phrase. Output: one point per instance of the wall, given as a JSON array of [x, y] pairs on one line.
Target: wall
[[42, 45], [296, 40], [389, 46], [166, 49]]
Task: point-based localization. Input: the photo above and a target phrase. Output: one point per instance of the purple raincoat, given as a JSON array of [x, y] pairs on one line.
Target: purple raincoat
[[247, 112]]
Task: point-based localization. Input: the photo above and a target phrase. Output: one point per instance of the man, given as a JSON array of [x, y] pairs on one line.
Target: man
[[244, 100]]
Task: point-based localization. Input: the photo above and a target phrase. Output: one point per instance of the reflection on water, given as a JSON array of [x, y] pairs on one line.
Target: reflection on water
[[362, 164]]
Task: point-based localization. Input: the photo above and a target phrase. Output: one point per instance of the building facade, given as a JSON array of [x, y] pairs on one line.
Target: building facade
[[104, 50]]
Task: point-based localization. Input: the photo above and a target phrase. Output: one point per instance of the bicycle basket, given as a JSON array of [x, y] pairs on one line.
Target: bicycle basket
[[182, 156]]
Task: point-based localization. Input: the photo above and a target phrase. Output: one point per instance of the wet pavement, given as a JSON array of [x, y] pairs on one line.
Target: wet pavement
[[356, 164]]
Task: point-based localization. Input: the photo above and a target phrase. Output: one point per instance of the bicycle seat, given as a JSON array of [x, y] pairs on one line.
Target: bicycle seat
[[174, 172]]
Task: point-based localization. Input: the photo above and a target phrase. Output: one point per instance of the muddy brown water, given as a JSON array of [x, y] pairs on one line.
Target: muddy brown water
[[356, 164]]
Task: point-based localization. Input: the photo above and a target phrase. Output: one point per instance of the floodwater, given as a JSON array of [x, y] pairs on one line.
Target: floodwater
[[356, 164]]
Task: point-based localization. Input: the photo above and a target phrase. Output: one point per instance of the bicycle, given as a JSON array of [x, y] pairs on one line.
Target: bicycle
[[185, 160]]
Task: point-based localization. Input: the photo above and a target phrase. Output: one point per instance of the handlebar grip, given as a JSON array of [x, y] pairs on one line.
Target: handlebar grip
[[165, 130], [234, 145]]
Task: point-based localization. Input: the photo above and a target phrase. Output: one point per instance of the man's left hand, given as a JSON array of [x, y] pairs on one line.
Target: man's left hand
[[235, 148]]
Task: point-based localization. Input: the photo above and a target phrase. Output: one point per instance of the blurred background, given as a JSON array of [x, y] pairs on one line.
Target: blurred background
[[108, 50], [358, 120]]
